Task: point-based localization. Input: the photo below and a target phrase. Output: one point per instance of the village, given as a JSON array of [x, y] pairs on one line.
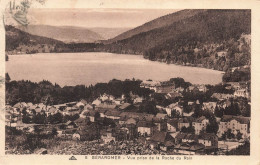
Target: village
[[117, 126]]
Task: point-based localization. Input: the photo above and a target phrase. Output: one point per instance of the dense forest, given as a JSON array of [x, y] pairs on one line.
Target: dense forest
[[48, 93], [239, 75]]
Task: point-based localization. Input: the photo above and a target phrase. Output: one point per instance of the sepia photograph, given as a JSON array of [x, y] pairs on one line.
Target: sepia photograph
[[126, 81]]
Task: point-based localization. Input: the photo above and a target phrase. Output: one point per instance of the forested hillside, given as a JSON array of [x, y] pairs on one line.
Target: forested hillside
[[16, 38], [157, 23], [197, 40]]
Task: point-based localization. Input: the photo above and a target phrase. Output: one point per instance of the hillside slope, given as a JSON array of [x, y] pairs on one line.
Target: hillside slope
[[17, 39], [204, 26], [157, 23]]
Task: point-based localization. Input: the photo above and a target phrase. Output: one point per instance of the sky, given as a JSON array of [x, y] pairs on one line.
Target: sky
[[94, 13], [111, 18]]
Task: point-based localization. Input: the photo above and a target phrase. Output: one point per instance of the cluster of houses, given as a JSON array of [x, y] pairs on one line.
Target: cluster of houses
[[158, 87], [160, 131]]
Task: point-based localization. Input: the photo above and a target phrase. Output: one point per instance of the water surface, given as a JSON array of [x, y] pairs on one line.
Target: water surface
[[91, 68]]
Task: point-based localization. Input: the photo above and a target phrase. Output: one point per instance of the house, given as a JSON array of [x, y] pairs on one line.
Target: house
[[76, 136], [18, 105], [29, 104], [51, 111], [200, 124], [190, 102], [96, 103], [107, 98], [118, 101], [185, 122], [138, 100], [236, 124], [125, 106], [24, 104], [174, 107], [145, 128], [191, 88], [209, 140], [179, 89], [187, 114], [161, 116], [38, 110], [224, 104], [104, 97], [161, 124], [102, 112], [81, 122], [72, 110], [83, 114], [222, 96], [173, 95], [108, 136], [241, 93], [222, 54], [186, 137], [113, 114], [189, 148], [234, 85], [163, 140], [67, 134], [70, 124], [131, 130], [81, 103], [60, 106], [123, 120], [91, 115], [152, 85], [106, 106], [165, 87], [158, 87], [71, 104], [88, 107], [202, 88], [131, 121], [209, 106], [197, 87], [172, 125]]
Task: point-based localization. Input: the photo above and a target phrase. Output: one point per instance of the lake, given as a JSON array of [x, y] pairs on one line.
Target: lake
[[91, 68]]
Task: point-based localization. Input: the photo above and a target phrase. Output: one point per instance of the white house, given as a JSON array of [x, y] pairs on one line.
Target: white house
[[200, 124]]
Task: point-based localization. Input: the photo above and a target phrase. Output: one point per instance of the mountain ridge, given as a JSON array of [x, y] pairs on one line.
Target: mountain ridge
[[67, 34]]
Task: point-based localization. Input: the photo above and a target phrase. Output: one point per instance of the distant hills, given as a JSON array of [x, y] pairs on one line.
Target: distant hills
[[65, 34], [108, 33], [70, 34]]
